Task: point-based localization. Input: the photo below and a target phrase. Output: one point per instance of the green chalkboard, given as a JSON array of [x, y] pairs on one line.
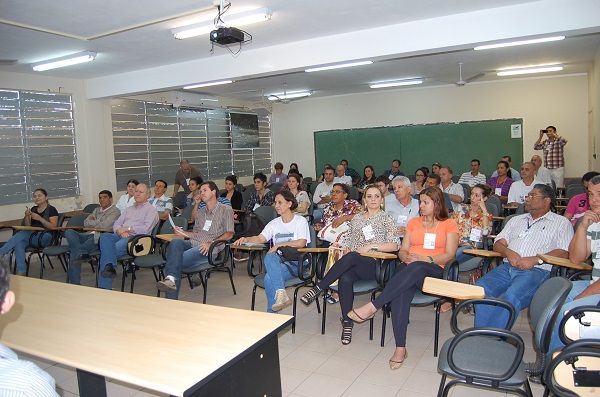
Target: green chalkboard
[[452, 144]]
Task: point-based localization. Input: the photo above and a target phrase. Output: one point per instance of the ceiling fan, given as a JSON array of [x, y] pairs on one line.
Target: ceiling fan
[[288, 96], [462, 82]]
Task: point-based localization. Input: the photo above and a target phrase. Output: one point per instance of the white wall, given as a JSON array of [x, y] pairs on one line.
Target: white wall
[[594, 112], [93, 138], [559, 101]]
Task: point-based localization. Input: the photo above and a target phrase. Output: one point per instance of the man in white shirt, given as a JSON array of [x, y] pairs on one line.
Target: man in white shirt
[[162, 203], [19, 377], [340, 175], [518, 277], [520, 189], [322, 195], [400, 205], [454, 190], [473, 177], [542, 174]]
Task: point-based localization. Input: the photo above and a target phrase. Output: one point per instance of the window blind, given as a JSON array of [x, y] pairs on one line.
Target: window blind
[[37, 145]]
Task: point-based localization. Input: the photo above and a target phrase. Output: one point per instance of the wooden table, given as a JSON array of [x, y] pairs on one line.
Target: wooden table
[[452, 289], [484, 253], [98, 229], [19, 228], [562, 262], [170, 237], [173, 347]]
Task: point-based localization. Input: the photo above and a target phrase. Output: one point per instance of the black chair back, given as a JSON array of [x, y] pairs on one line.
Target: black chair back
[[90, 208]]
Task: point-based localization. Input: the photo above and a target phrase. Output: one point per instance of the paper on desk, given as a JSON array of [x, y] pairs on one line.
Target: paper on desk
[[175, 226]]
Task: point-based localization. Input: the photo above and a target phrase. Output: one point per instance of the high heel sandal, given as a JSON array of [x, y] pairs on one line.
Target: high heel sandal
[[358, 319], [311, 295], [346, 331]]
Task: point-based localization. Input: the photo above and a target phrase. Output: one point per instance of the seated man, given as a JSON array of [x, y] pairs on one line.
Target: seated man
[[579, 203], [82, 244], [473, 177], [160, 201], [401, 205], [137, 219], [514, 174], [261, 197], [520, 189], [213, 222], [340, 175], [322, 194], [434, 180], [351, 172], [394, 170], [383, 183], [19, 377], [454, 190], [542, 174], [518, 277], [586, 242]]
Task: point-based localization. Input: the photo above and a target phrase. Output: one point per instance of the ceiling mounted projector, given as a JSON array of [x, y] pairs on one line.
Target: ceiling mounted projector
[[225, 36]]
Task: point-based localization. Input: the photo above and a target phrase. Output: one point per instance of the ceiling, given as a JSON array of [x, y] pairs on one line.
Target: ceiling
[[135, 36]]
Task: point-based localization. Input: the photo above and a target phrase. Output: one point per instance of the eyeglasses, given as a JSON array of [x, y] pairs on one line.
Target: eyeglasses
[[531, 195], [337, 191]]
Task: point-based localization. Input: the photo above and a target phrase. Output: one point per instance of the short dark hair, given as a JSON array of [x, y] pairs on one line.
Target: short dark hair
[[211, 186], [440, 212], [329, 167], [232, 179], [261, 176], [507, 157], [551, 126], [476, 161], [278, 166], [343, 186], [161, 180], [44, 192], [436, 164], [588, 176], [197, 179], [134, 181], [383, 178], [342, 160], [4, 281], [595, 180], [397, 161], [437, 178], [289, 197], [107, 192], [547, 192]]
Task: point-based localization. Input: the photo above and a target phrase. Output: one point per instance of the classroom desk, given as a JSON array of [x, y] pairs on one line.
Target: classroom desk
[[452, 289], [562, 262], [253, 250], [170, 237], [563, 375], [19, 228], [173, 347], [98, 229]]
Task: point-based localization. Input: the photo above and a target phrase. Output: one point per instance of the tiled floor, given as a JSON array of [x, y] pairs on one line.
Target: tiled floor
[[313, 364]]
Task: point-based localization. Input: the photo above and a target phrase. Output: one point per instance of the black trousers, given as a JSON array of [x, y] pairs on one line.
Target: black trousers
[[350, 268], [401, 289]]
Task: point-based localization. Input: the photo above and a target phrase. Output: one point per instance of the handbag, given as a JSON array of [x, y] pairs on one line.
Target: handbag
[[333, 235], [289, 254]]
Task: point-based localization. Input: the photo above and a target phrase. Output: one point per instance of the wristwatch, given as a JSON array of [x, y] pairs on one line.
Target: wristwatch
[[541, 262]]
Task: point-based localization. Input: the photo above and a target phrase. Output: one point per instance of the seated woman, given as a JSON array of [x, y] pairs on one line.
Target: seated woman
[[41, 215], [367, 179], [193, 200], [429, 244], [370, 230], [126, 200], [501, 184], [435, 168], [579, 203], [474, 222], [278, 176], [419, 184], [293, 185], [287, 230], [231, 193], [294, 168]]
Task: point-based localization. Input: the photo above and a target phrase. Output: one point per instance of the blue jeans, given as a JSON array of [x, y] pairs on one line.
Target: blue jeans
[[79, 244], [111, 248], [461, 257], [181, 255], [20, 241], [570, 303], [510, 284], [276, 275]]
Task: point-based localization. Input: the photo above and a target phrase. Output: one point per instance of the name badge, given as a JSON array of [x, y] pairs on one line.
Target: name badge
[[596, 248], [524, 233], [391, 177], [368, 232], [276, 180], [187, 181], [402, 220], [429, 241], [498, 191], [475, 235], [207, 224], [255, 207]]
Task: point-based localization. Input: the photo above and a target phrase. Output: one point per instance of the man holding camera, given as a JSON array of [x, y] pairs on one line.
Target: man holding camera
[[554, 158]]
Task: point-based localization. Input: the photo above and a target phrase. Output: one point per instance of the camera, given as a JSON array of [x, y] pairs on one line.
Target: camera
[[544, 131]]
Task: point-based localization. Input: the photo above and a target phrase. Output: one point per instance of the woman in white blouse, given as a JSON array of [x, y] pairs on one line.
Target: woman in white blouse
[[370, 230], [127, 200]]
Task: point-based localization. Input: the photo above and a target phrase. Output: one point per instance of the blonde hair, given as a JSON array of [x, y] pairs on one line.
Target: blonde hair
[[371, 186]]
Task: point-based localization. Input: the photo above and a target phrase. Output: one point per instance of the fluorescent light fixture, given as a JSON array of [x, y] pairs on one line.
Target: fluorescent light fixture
[[395, 83], [530, 70], [210, 83], [68, 60], [519, 42], [240, 19], [339, 66], [289, 95]]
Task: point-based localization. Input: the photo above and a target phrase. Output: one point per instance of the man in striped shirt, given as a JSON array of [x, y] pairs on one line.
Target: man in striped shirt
[[518, 277], [213, 222], [473, 177], [19, 378]]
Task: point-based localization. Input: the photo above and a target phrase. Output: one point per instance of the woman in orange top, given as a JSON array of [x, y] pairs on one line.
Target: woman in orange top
[[430, 242]]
